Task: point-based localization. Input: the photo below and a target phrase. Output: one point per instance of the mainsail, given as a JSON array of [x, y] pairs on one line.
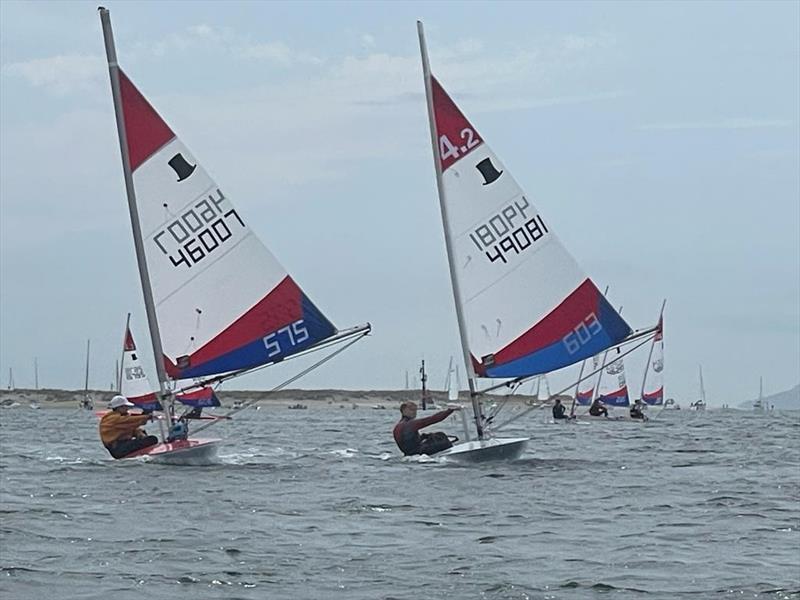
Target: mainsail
[[612, 388], [136, 387], [223, 301], [585, 390], [653, 383], [528, 307]]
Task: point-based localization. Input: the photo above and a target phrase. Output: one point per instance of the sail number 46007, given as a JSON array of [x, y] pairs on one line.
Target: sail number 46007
[[285, 338], [582, 333]]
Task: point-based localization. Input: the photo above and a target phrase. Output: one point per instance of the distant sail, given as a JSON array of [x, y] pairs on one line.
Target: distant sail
[[223, 301], [134, 384], [613, 387], [653, 388], [586, 387], [528, 306], [136, 387]]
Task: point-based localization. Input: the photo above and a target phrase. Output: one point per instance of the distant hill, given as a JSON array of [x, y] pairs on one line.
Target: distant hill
[[788, 400]]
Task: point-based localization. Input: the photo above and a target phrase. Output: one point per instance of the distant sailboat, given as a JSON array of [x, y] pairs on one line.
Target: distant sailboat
[[217, 301], [452, 384], [540, 393], [425, 399], [700, 405], [653, 379], [612, 386], [584, 389], [136, 387], [759, 405], [524, 307], [86, 402]]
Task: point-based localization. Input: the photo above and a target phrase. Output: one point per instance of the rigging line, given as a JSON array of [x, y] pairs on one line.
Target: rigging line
[[338, 339], [595, 372], [523, 378], [496, 410], [285, 383]]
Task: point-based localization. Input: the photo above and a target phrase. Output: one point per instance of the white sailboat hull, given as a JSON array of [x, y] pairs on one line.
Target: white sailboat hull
[[487, 450]]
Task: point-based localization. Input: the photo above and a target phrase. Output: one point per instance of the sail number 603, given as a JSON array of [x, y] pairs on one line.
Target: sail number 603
[[582, 333], [447, 149], [285, 338]]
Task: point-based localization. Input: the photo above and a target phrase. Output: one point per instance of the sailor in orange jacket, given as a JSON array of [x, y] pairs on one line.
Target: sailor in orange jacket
[[120, 432]]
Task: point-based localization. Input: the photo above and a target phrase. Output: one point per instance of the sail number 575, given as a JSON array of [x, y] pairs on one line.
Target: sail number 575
[[285, 338], [582, 333]]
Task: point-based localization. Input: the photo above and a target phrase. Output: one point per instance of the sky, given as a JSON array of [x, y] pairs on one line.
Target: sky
[[660, 140]]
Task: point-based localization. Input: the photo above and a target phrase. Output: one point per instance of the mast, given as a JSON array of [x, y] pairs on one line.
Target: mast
[[462, 329], [577, 388], [86, 377], [36, 372], [424, 377], [650, 354], [144, 276], [702, 387]]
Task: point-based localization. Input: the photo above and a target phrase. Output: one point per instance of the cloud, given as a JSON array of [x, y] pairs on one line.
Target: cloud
[[226, 41], [725, 123], [367, 41], [358, 107], [62, 74], [277, 53]]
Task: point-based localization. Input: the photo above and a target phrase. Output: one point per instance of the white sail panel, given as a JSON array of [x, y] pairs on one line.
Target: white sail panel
[[528, 306], [134, 384]]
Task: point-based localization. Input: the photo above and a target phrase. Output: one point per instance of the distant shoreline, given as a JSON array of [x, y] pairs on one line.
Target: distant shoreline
[[56, 398]]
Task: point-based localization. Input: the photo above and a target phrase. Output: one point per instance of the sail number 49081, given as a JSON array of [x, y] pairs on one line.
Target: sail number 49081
[[285, 338], [582, 333], [448, 149]]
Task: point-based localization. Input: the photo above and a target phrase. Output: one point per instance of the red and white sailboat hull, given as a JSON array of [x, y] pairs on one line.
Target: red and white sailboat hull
[[190, 452]]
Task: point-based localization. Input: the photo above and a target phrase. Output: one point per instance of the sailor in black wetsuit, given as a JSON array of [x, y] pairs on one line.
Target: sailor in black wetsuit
[[637, 411], [406, 432], [559, 410], [598, 408]]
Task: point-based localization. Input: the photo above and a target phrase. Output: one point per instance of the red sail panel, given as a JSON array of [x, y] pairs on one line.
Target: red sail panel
[[145, 131], [456, 136], [129, 346]]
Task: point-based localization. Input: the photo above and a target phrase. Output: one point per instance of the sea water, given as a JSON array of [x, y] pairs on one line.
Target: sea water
[[319, 504]]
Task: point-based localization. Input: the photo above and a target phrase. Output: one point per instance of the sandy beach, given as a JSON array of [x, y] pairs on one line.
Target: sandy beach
[[56, 398]]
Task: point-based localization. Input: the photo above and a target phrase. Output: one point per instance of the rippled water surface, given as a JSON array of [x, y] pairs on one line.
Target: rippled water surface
[[317, 503]]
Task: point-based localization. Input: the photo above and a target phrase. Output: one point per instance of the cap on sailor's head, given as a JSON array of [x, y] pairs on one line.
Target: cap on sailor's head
[[118, 401]]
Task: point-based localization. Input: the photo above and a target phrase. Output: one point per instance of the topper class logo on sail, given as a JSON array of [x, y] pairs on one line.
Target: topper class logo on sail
[[198, 231], [509, 230]]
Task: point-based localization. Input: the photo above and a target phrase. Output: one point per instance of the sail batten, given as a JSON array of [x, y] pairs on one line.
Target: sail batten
[[528, 307]]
